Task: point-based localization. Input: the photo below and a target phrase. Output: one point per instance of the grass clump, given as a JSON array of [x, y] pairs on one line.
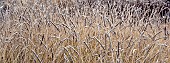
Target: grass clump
[[90, 31]]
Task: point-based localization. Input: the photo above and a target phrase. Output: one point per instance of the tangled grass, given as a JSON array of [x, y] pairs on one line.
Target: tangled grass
[[89, 31]]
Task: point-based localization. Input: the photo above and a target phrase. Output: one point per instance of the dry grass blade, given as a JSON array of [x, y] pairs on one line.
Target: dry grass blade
[[36, 56]]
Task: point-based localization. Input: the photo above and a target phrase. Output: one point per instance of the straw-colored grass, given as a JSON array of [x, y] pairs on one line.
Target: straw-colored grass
[[67, 31]]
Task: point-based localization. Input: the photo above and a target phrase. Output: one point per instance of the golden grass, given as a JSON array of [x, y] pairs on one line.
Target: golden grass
[[56, 32]]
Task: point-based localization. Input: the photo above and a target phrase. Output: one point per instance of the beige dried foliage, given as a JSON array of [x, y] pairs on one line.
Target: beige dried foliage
[[73, 31]]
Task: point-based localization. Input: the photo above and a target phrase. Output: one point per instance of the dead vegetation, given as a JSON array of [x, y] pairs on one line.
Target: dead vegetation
[[84, 31]]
